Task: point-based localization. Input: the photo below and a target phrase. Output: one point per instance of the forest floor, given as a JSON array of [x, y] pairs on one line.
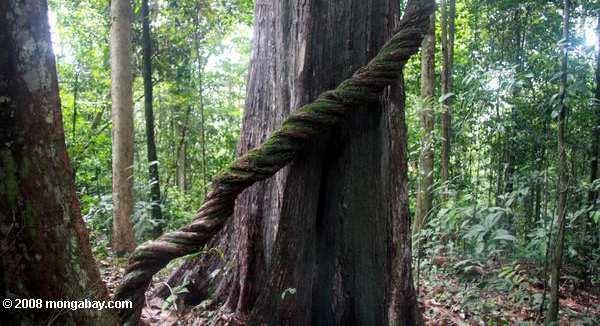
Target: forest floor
[[493, 294], [445, 299]]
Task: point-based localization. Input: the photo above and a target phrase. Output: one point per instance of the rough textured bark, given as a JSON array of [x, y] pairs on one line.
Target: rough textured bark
[[44, 244], [332, 239], [448, 27], [149, 113], [122, 125], [552, 313], [403, 308], [312, 227], [424, 194]]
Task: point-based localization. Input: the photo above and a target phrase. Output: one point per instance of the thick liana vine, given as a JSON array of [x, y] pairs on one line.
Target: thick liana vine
[[303, 126]]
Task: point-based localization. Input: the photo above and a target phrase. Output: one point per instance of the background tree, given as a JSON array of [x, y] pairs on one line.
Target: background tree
[[563, 179], [595, 161], [149, 113], [448, 12], [425, 191], [44, 242], [403, 308], [122, 125]]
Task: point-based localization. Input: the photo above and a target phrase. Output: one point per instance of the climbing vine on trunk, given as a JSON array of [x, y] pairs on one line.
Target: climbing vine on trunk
[[299, 130]]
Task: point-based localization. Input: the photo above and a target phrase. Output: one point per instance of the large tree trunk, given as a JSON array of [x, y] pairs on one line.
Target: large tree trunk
[[44, 244], [424, 194], [122, 125], [149, 112], [447, 24], [552, 313], [313, 243]]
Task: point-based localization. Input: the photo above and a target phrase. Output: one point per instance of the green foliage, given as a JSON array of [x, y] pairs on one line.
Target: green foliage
[[502, 207], [201, 56], [99, 221], [461, 228], [512, 274], [179, 208], [174, 293]]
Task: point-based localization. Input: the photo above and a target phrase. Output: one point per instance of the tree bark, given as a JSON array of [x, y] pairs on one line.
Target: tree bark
[[310, 245], [44, 244], [552, 313], [448, 28], [424, 194], [122, 123], [403, 308], [149, 112]]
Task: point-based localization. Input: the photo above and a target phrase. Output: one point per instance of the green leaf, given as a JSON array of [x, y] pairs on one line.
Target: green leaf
[[502, 234]]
